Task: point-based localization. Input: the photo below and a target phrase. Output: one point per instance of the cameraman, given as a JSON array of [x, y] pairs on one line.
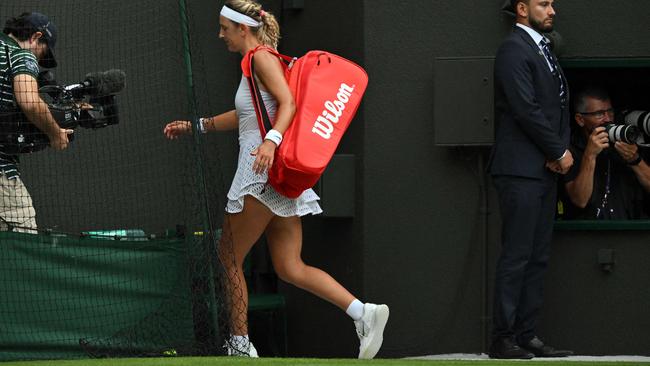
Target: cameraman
[[27, 42], [608, 180]]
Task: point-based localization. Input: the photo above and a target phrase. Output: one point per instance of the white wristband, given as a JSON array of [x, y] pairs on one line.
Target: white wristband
[[275, 136], [202, 128]]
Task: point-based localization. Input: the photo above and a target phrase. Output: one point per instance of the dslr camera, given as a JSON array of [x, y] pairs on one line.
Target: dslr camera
[[621, 132]]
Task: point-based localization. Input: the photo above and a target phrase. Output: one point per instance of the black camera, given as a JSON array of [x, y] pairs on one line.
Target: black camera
[[69, 112], [89, 104], [624, 133]]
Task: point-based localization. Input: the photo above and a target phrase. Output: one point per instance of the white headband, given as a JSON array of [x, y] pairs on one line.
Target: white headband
[[238, 17]]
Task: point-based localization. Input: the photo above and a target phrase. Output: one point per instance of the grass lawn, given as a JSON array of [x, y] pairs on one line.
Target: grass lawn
[[236, 361]]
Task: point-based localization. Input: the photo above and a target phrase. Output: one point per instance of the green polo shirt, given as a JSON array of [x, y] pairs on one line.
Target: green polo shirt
[[22, 62]]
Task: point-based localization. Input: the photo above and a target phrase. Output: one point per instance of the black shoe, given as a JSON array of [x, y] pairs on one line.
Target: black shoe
[[506, 348], [539, 349]]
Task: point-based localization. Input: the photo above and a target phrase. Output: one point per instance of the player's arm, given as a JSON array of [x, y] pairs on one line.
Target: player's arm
[[269, 71], [223, 122]]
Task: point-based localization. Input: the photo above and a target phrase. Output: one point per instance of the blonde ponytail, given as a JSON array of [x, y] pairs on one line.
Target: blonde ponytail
[[269, 32]]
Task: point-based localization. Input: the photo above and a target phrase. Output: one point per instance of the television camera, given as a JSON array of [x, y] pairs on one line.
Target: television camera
[[88, 104]]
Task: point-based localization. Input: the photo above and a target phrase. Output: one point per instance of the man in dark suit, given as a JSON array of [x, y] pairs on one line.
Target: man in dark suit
[[530, 150]]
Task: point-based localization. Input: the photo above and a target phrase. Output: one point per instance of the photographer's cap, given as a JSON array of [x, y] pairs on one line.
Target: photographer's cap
[[43, 24]]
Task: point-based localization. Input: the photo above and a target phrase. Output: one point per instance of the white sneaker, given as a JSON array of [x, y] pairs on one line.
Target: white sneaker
[[370, 329], [233, 348]]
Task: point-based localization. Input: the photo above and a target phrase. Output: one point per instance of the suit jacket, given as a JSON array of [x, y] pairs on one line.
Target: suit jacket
[[532, 122]]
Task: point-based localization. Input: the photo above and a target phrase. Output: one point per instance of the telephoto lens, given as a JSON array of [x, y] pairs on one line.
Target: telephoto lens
[[640, 119], [624, 133]]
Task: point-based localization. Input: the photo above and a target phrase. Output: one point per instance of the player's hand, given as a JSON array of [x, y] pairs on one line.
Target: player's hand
[[264, 155], [177, 128]]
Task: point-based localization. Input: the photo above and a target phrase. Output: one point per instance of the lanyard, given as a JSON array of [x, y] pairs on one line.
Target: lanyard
[[604, 201]]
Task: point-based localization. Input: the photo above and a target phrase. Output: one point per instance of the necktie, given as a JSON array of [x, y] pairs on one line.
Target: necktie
[[554, 67]]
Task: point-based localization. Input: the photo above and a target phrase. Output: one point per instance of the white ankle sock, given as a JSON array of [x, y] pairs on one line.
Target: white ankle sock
[[355, 310]]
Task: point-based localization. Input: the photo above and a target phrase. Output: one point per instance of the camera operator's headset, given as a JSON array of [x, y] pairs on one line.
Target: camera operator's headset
[[17, 134]]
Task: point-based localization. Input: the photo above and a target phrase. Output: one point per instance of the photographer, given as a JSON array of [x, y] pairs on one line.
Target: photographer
[[27, 42], [609, 178]]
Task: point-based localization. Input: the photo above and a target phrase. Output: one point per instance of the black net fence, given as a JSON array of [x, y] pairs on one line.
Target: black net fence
[[109, 240]]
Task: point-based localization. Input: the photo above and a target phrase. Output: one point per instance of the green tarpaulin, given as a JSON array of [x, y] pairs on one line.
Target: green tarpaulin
[[56, 291]]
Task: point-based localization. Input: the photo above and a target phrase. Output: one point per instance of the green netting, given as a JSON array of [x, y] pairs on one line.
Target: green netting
[[58, 290], [122, 257]]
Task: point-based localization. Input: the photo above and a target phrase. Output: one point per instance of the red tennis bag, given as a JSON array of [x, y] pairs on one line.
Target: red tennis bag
[[327, 90]]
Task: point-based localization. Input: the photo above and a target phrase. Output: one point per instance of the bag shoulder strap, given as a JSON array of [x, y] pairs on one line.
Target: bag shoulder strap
[[248, 68], [263, 119]]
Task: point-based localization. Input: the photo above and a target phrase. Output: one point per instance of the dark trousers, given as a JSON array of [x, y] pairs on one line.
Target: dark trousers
[[527, 209]]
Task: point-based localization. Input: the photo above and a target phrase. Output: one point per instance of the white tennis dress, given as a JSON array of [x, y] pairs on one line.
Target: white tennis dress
[[246, 181]]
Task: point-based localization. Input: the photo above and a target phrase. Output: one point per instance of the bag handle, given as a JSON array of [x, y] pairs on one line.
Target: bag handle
[[270, 50]]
